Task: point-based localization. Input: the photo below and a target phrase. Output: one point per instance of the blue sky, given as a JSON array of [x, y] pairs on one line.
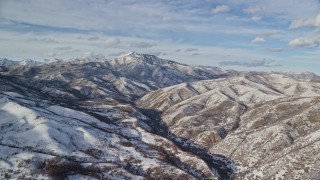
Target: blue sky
[[267, 35]]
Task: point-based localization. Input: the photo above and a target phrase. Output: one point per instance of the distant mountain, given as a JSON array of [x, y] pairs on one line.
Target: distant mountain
[[157, 72], [7, 63], [26, 62], [126, 77], [29, 62], [304, 76]]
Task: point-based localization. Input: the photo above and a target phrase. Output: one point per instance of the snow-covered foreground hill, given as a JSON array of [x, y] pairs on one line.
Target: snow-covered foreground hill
[[40, 140], [269, 124]]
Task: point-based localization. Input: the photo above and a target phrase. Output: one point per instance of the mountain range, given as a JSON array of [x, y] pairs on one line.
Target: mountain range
[[138, 116]]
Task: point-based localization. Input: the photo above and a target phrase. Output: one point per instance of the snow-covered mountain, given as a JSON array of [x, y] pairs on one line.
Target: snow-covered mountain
[[7, 62], [66, 119], [121, 79], [157, 72], [142, 117], [303, 76], [29, 62], [26, 62], [267, 123]]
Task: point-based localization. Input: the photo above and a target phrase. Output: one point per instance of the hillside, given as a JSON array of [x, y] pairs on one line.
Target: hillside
[[266, 123], [141, 117], [73, 119]]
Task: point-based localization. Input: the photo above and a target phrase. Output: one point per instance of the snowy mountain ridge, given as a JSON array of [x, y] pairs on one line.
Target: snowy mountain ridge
[[267, 123], [142, 117]]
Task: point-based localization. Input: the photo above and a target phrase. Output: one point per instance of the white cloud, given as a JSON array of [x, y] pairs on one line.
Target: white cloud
[[258, 40], [302, 42], [256, 18], [309, 22], [161, 23], [43, 40], [255, 63], [126, 14], [156, 53], [64, 48], [18, 48], [220, 9], [93, 38], [111, 42], [142, 44], [117, 54], [130, 18], [252, 10], [50, 54], [93, 55], [283, 9], [276, 49], [167, 18], [270, 33], [191, 49]]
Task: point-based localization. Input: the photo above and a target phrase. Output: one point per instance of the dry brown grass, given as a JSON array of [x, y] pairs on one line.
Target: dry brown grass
[[126, 143], [58, 169], [97, 153], [313, 116], [259, 123], [127, 109]]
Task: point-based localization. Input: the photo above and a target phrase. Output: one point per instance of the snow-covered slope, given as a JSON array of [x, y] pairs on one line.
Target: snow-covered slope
[[267, 123], [304, 76], [279, 139], [75, 119], [123, 119], [39, 139], [157, 72]]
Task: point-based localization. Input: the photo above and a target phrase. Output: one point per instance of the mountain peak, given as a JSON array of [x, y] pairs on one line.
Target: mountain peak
[[7, 62], [29, 62], [135, 55]]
